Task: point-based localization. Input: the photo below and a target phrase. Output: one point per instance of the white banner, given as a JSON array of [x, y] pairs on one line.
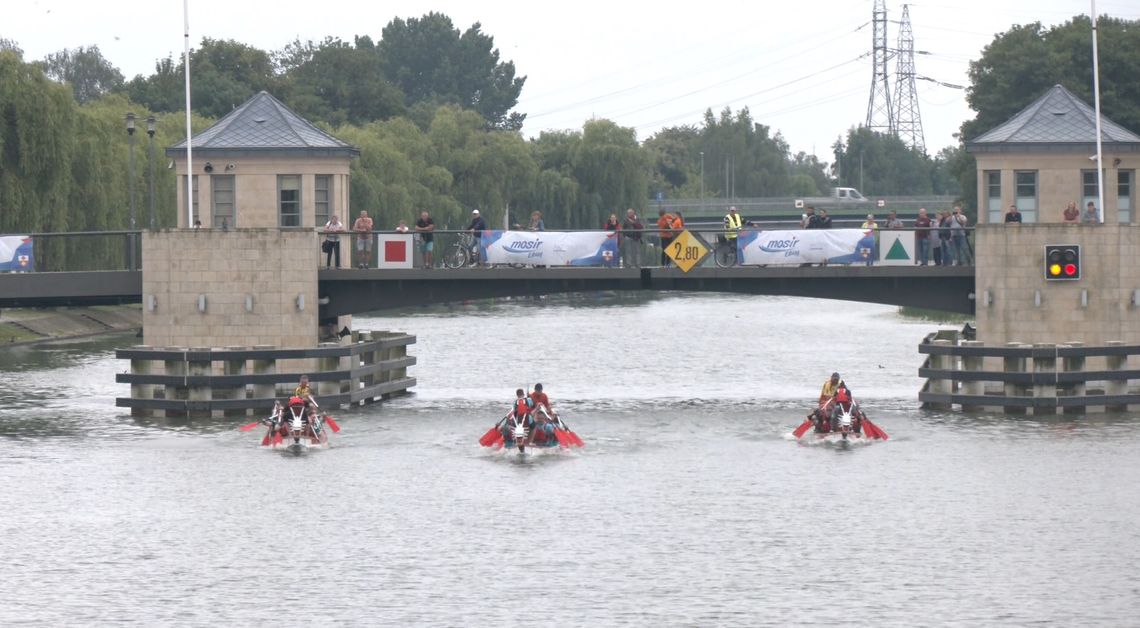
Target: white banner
[[16, 254], [896, 248], [548, 248], [808, 246]]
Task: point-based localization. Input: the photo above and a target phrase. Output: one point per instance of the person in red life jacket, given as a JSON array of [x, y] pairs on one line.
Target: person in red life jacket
[[541, 401], [844, 402], [520, 414]]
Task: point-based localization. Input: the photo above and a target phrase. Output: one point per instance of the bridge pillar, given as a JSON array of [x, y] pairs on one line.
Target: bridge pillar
[[1014, 364], [177, 367], [1045, 364], [327, 389], [972, 364], [941, 386], [233, 368], [142, 366], [198, 364], [1116, 386], [1072, 364], [266, 366]]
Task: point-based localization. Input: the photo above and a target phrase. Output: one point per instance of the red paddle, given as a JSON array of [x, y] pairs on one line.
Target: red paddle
[[332, 424], [493, 434], [246, 428], [876, 431], [803, 428]]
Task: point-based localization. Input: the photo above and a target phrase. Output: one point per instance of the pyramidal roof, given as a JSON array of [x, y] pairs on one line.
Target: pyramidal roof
[[1057, 117], [262, 125]]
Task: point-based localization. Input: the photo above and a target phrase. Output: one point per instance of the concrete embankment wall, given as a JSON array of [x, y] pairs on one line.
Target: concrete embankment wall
[[29, 326]]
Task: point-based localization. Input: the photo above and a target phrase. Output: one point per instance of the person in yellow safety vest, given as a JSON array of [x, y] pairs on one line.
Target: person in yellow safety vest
[[732, 223]]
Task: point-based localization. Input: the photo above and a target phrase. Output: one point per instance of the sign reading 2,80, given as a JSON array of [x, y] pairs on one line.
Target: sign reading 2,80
[[687, 251]]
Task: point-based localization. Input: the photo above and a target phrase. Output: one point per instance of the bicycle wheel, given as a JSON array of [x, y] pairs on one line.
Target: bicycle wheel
[[456, 257], [725, 254]]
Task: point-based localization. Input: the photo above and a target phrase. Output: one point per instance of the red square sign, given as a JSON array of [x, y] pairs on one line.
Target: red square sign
[[395, 251]]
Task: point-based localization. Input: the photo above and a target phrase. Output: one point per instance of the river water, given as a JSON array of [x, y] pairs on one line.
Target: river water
[[689, 506]]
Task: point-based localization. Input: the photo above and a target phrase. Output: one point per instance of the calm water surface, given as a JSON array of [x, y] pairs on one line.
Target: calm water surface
[[689, 506]]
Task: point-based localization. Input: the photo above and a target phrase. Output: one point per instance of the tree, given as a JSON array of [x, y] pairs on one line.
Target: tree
[[88, 73], [37, 143], [430, 61], [224, 74], [881, 164], [1021, 64], [338, 82]]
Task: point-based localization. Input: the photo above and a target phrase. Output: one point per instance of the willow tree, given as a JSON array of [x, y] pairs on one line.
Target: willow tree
[[37, 142], [612, 170]]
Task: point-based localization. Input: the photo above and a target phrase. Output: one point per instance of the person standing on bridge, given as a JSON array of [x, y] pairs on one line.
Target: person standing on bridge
[[667, 229], [732, 224], [958, 222], [824, 219], [333, 228], [425, 228], [363, 230], [893, 221], [1091, 215], [476, 228], [922, 237], [1071, 215], [631, 239]]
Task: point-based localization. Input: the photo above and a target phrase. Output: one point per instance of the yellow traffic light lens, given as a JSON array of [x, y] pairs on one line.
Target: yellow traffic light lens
[[1054, 270]]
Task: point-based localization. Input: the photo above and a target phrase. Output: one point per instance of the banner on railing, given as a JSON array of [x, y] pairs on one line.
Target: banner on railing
[[811, 246], [16, 254], [394, 250], [896, 248], [549, 248]]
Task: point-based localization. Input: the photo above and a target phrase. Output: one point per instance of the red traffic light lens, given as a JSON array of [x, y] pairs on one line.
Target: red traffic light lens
[[1070, 269]]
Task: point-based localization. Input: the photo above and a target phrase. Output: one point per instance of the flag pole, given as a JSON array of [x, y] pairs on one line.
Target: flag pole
[[189, 151], [1096, 104]]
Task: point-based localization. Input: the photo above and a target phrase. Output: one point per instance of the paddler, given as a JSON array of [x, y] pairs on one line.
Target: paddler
[[306, 394], [539, 399], [825, 398], [519, 415]]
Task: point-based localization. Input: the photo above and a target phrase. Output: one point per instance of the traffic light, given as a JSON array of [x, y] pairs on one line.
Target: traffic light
[[1062, 261]]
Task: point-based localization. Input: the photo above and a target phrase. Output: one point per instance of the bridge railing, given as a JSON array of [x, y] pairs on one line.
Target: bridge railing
[[86, 250], [647, 247]]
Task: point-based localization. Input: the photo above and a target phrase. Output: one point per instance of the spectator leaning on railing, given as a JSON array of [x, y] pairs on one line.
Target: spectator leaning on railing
[[922, 238], [631, 239]]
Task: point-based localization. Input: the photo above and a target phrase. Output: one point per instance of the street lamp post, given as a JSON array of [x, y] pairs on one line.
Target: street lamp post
[[150, 157], [131, 187], [702, 180]]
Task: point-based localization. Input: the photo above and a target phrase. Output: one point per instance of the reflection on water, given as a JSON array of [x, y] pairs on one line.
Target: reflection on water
[[688, 505]]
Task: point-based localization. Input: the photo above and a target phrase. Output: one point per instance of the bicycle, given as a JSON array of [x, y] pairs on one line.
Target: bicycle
[[725, 252], [464, 252]]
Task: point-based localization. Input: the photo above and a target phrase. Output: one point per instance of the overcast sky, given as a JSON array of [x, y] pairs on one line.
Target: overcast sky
[[795, 65]]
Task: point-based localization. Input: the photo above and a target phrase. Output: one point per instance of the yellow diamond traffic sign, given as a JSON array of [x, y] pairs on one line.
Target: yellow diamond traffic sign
[[687, 251]]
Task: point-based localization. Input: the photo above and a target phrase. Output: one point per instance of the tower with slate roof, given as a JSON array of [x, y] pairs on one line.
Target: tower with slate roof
[[264, 181]]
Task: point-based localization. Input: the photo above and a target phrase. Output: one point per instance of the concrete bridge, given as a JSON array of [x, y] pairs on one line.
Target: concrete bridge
[[343, 292]]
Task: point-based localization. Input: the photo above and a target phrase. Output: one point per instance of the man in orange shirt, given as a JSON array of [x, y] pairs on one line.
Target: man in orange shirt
[[666, 228]]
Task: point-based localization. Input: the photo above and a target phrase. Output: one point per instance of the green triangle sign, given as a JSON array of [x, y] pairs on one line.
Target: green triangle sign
[[897, 251]]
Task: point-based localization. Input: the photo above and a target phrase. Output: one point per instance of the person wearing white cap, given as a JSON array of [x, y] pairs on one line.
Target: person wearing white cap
[[477, 227]]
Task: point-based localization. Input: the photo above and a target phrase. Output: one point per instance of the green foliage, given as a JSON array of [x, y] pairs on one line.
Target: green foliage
[[1021, 64], [882, 165], [37, 142], [430, 61], [338, 82], [85, 70], [225, 73]]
